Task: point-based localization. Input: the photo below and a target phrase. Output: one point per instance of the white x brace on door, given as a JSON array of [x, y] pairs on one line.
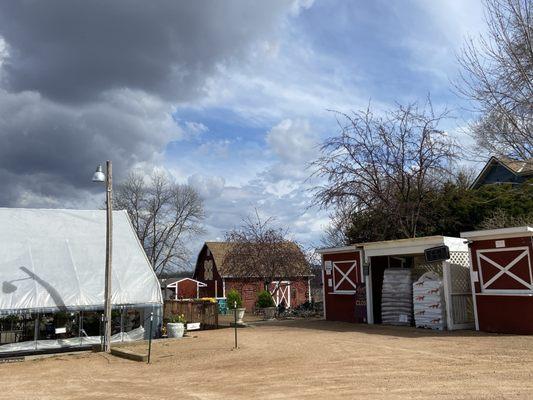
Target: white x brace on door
[[281, 292], [513, 282], [349, 284]]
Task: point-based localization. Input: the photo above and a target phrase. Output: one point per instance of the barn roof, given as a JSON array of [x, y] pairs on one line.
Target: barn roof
[[54, 260], [220, 251]]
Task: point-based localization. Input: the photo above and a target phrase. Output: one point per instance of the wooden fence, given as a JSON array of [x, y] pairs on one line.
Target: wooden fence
[[205, 312]]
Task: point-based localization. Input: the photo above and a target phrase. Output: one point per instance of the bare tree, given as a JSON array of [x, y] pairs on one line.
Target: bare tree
[[260, 250], [389, 164], [497, 74], [164, 215]]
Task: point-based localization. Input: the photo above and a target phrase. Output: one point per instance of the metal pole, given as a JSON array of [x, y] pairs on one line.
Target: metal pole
[[235, 323], [109, 254], [102, 336], [150, 337], [36, 331], [122, 324]]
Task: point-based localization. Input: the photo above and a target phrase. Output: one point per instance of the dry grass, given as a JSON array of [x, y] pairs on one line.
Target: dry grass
[[292, 360]]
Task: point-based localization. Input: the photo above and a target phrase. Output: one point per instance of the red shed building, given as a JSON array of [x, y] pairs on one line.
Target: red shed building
[[342, 276], [353, 277], [502, 279], [185, 288], [212, 270]]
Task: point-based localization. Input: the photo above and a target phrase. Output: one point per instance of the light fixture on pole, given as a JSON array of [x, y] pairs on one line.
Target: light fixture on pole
[[99, 176]]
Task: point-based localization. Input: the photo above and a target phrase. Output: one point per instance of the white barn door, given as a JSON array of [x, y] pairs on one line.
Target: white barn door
[[281, 292]]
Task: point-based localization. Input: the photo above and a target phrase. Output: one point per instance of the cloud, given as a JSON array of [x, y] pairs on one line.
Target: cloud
[[47, 144], [82, 82], [75, 50], [209, 187], [293, 141]]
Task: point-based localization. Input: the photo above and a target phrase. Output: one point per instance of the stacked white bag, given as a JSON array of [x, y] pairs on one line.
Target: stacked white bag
[[396, 297], [428, 302]]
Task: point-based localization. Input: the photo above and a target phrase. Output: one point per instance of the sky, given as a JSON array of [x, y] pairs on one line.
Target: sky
[[231, 97]]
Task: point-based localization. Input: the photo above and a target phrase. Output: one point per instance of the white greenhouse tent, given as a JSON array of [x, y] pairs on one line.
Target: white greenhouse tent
[[52, 265]]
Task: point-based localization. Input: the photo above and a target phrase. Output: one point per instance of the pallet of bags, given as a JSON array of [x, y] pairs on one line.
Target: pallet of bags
[[396, 297], [428, 302]]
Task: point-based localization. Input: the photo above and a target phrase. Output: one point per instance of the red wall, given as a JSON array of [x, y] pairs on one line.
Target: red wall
[[249, 291], [187, 289], [340, 307], [503, 313]]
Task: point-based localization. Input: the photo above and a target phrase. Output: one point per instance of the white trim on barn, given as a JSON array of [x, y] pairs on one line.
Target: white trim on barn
[[498, 233]]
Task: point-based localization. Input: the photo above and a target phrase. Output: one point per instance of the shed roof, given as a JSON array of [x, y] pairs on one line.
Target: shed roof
[[53, 260], [401, 246], [220, 251], [499, 233]]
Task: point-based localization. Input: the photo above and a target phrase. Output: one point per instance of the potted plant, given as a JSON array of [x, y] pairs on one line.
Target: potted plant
[[176, 326], [235, 303], [266, 304]]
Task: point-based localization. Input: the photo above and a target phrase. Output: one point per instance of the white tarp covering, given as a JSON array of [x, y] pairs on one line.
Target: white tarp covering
[[134, 335], [53, 260]]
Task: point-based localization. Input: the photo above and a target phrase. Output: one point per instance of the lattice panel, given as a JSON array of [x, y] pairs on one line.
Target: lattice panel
[[460, 258], [460, 281], [421, 267]]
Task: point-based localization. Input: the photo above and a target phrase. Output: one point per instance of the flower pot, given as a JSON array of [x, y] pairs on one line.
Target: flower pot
[[269, 312], [175, 329], [240, 314]]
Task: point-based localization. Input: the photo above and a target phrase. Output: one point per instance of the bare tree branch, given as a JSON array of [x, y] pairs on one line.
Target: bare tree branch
[[497, 75], [164, 216]]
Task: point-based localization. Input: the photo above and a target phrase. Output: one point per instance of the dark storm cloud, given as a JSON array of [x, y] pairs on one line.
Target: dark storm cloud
[[86, 81], [74, 50]]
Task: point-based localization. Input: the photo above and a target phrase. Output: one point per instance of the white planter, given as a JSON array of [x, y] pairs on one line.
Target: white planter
[[269, 312], [240, 314], [175, 329]]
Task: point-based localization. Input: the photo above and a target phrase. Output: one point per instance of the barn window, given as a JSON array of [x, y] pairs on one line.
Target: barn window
[[505, 270], [208, 270]]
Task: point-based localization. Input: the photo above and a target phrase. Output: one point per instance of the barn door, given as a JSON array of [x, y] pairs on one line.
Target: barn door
[[505, 270], [281, 292]]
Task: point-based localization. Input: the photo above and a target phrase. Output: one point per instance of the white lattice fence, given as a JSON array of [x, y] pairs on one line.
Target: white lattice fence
[[460, 309]]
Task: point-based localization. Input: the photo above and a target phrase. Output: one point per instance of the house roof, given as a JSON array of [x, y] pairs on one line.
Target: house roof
[[220, 251], [517, 167], [54, 260]]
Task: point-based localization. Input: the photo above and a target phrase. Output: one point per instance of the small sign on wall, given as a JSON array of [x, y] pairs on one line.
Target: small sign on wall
[[328, 266], [330, 283], [499, 243], [475, 276]]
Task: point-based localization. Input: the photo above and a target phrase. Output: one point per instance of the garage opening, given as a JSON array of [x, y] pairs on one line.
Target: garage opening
[[378, 266]]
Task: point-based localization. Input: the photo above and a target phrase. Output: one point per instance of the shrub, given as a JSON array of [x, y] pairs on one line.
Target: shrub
[[232, 297], [264, 299]]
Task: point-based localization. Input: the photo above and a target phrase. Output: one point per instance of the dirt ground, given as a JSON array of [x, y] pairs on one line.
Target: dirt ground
[[291, 360]]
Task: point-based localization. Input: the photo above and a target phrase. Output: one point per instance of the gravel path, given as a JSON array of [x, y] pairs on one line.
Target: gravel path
[[292, 360]]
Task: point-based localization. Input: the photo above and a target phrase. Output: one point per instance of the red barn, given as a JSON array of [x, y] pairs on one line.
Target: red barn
[[212, 270], [502, 279]]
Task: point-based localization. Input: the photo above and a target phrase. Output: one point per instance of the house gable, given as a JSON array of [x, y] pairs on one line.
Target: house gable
[[496, 171]]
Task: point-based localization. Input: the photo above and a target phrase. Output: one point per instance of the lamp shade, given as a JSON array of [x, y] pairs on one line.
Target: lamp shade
[[99, 175]]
